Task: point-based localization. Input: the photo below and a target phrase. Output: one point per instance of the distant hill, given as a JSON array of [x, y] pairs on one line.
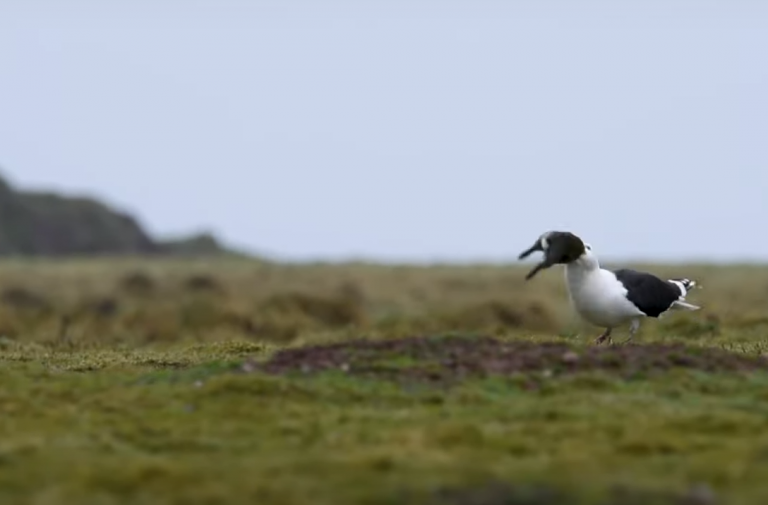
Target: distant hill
[[49, 224]]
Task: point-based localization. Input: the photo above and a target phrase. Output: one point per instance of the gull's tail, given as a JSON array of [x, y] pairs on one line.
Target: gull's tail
[[684, 285]]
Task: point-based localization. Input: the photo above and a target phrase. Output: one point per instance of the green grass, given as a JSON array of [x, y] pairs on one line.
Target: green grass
[[164, 427], [111, 413]]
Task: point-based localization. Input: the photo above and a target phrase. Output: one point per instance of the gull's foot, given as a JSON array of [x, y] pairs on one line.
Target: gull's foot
[[605, 336]]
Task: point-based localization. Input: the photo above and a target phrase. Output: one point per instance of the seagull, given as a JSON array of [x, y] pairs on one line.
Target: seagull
[[608, 298]]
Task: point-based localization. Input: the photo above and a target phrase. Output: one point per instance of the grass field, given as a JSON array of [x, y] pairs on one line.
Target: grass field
[[191, 382]]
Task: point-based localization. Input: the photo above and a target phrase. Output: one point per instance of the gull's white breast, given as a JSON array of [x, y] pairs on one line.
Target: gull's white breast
[[598, 296]]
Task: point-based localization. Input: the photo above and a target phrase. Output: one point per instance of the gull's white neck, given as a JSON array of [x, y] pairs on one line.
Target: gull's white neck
[[577, 271]]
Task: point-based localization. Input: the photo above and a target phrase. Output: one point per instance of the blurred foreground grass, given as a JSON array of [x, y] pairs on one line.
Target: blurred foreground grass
[[140, 382]]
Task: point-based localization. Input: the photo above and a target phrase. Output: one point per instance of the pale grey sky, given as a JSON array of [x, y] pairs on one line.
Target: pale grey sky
[[401, 130]]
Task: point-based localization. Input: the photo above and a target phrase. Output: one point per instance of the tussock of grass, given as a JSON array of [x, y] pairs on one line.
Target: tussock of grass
[[164, 300]]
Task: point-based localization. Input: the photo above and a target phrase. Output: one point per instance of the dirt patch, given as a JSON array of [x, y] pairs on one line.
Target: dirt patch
[[502, 493], [444, 359]]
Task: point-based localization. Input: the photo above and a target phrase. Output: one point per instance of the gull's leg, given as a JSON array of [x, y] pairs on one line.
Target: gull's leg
[[606, 335], [633, 327]]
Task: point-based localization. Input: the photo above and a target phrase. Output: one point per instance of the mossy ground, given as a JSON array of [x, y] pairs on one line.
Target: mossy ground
[[460, 393]]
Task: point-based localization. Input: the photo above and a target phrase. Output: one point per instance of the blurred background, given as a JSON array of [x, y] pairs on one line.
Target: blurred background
[[424, 132], [397, 131]]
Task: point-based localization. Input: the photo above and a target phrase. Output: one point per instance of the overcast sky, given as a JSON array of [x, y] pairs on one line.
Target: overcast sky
[[401, 130]]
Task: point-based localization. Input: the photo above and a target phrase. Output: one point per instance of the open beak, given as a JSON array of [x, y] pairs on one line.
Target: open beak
[[541, 266], [546, 263], [534, 248]]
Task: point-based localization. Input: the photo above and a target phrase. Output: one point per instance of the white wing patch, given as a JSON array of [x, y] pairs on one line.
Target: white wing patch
[[684, 305]]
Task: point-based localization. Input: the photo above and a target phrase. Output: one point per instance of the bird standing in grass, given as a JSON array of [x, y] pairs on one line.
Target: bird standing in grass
[[608, 298]]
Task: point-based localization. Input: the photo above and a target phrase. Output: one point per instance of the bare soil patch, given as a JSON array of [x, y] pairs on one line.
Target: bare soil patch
[[502, 493], [445, 359]]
